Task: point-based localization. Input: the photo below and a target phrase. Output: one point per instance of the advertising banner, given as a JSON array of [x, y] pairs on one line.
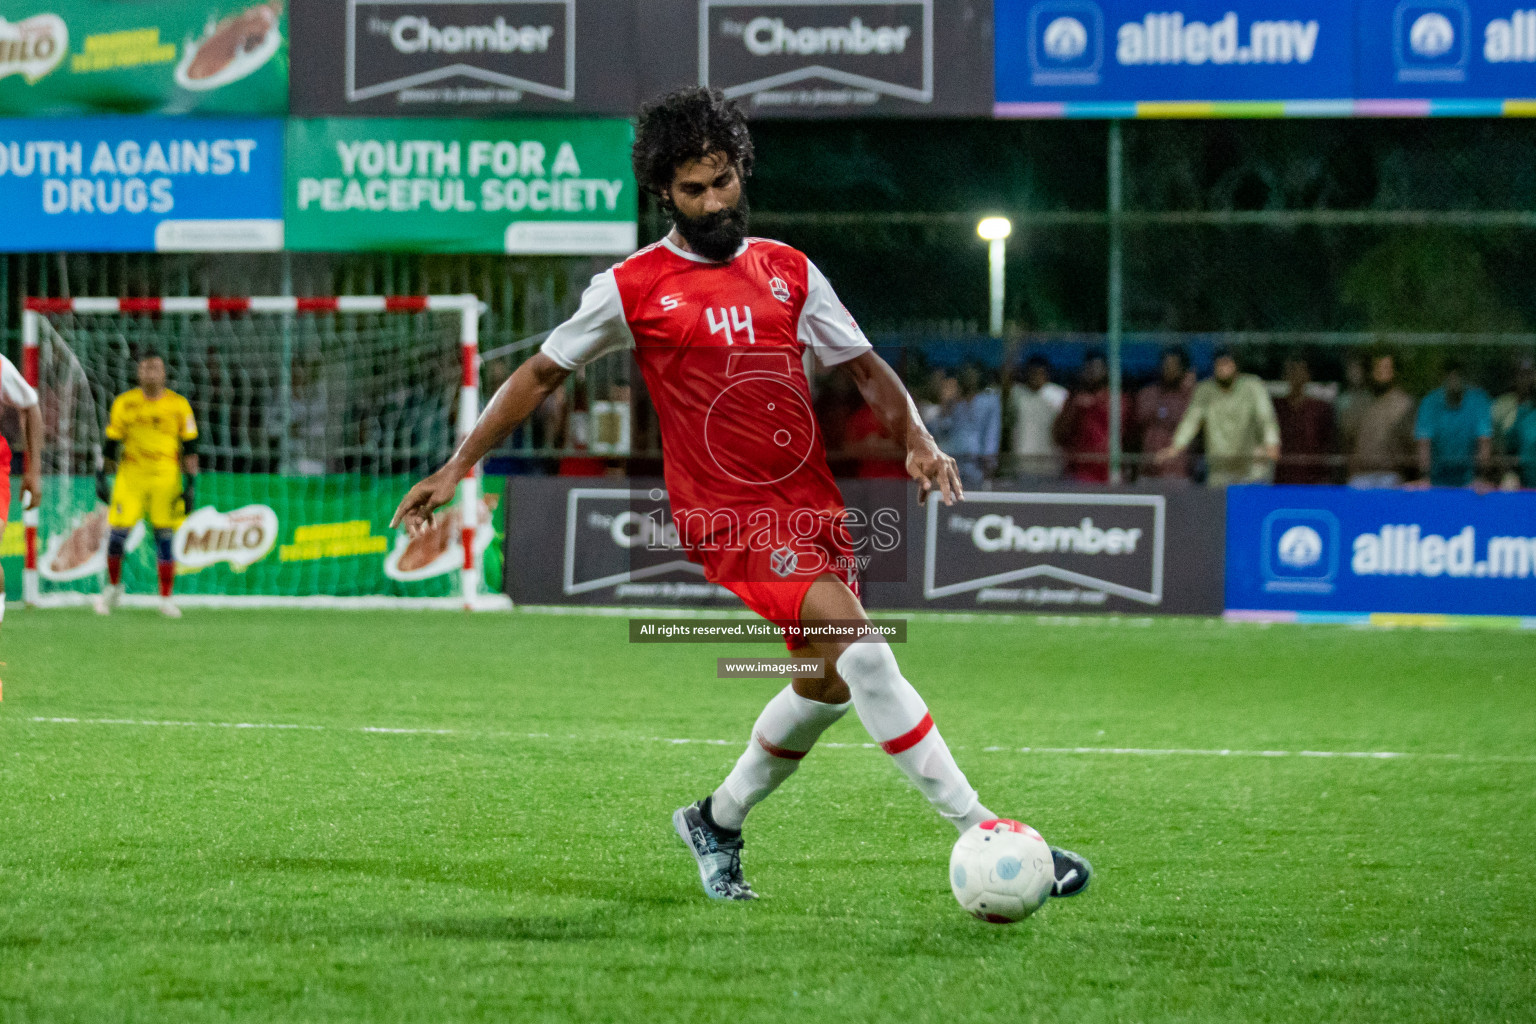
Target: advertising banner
[[63, 58], [141, 184], [1054, 51], [1447, 48], [573, 541], [824, 58], [1333, 549], [1130, 551], [532, 187], [1136, 552], [465, 58], [261, 535]]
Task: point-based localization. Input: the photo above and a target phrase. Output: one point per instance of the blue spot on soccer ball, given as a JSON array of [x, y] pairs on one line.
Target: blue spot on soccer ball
[[1008, 868], [959, 876]]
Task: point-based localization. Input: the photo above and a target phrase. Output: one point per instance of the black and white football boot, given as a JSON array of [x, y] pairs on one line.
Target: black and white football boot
[[716, 850], [1072, 872]]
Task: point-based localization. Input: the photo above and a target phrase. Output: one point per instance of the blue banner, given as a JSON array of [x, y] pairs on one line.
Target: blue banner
[[141, 184], [1334, 549], [1446, 48], [1137, 50]]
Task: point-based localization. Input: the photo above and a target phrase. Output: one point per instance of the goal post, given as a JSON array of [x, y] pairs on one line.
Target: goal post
[[325, 407]]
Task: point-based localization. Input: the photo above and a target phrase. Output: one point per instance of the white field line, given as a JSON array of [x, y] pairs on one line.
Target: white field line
[[1364, 755]]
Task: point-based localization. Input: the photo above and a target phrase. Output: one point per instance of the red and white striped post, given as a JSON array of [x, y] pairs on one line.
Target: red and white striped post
[[469, 412], [29, 585]]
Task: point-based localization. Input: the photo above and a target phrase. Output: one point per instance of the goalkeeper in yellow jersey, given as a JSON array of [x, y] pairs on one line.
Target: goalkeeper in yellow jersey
[[153, 432]]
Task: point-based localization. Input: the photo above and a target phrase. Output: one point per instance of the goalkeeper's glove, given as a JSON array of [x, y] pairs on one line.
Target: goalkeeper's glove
[[188, 491], [103, 488]]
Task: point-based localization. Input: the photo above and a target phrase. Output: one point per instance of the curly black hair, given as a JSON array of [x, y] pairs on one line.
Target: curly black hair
[[685, 125]]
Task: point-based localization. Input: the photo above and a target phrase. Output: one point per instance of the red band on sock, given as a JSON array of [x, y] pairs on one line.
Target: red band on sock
[[114, 569], [773, 751], [908, 740], [167, 578]]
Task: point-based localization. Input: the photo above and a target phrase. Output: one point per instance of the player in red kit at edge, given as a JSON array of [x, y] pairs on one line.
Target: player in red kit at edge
[[719, 324]]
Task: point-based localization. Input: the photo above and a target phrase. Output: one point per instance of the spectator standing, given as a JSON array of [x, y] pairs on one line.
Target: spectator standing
[[1036, 402], [1379, 439], [1160, 406], [1352, 400], [973, 424], [1306, 430], [1242, 437], [929, 396], [1082, 428], [1507, 407], [1454, 430], [1520, 443]]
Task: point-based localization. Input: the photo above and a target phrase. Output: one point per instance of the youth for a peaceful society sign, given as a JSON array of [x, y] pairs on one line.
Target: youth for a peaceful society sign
[[534, 187], [141, 184], [66, 57]]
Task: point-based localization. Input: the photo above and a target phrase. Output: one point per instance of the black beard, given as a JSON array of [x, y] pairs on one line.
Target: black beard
[[715, 236]]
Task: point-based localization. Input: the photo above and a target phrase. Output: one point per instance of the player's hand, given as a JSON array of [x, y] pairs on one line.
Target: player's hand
[[32, 485], [189, 493], [933, 470], [103, 489], [416, 508]]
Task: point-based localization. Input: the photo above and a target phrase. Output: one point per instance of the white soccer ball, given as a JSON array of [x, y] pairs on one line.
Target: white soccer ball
[[1001, 871]]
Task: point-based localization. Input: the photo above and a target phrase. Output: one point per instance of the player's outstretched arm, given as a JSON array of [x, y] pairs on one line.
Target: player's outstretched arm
[[888, 398], [32, 427], [513, 402]]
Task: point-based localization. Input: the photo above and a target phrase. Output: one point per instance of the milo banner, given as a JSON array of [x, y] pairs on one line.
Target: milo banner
[[258, 535], [68, 57], [528, 187]]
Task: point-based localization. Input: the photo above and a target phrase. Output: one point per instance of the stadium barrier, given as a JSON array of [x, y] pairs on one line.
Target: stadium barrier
[[1136, 551], [1386, 557]]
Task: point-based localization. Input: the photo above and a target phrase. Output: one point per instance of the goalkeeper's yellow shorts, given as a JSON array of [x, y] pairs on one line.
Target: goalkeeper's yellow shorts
[[135, 492]]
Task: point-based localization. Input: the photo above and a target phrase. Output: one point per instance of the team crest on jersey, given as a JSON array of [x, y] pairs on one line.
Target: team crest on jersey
[[779, 289], [784, 561]]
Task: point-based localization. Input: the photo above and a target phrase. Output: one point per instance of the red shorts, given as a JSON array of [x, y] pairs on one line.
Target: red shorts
[[772, 581]]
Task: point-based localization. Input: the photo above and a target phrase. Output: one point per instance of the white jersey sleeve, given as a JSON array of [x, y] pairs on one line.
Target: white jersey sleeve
[[826, 327], [14, 386], [597, 328]]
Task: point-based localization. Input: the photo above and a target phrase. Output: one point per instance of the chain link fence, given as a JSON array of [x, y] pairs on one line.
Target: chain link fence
[[1326, 239]]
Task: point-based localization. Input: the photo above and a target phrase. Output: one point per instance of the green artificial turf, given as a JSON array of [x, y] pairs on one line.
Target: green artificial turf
[[519, 865]]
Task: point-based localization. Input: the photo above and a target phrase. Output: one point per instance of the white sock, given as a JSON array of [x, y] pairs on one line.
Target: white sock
[[786, 730], [898, 720]]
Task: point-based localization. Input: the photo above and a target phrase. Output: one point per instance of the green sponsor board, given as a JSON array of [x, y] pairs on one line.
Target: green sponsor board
[[530, 187], [259, 535], [67, 57]]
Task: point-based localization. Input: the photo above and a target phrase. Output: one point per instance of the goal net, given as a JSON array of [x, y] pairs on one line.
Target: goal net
[[314, 416]]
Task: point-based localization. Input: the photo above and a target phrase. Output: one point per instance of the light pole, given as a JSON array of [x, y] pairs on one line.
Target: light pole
[[995, 230]]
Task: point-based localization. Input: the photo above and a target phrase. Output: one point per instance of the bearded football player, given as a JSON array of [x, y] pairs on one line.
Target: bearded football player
[[719, 323]]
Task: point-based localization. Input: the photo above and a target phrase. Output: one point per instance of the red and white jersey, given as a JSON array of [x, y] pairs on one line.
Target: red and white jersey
[[14, 388], [721, 347]]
